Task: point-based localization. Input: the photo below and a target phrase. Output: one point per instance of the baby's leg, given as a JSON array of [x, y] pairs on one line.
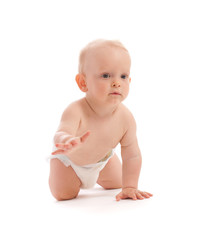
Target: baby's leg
[[111, 175], [63, 181]]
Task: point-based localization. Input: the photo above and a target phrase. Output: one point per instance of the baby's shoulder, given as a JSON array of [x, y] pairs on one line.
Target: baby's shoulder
[[73, 109], [126, 115], [76, 105]]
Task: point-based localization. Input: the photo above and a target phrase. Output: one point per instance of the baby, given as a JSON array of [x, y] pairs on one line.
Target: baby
[[92, 127]]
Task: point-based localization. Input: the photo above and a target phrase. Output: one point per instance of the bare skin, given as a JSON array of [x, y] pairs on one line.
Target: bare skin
[[93, 126]]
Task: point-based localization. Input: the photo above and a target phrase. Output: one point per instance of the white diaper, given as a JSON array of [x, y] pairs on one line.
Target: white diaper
[[88, 174]]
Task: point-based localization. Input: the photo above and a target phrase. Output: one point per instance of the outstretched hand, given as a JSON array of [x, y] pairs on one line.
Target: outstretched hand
[[132, 193], [70, 144]]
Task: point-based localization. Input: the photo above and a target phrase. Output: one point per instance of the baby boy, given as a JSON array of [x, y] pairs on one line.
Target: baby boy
[[92, 127]]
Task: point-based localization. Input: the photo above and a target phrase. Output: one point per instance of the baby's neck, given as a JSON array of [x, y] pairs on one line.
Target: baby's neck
[[100, 111]]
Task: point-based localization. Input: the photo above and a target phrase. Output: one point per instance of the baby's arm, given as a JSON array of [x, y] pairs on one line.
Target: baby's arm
[[131, 164], [65, 137], [131, 157]]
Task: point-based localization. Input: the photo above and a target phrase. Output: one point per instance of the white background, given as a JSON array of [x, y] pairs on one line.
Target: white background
[[39, 46]]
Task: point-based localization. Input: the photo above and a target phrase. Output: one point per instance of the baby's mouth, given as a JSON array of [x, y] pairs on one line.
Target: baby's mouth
[[115, 93]]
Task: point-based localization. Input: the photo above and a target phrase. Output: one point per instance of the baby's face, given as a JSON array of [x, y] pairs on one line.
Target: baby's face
[[107, 74]]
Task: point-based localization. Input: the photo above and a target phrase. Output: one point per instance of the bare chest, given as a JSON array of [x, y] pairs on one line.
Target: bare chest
[[103, 132], [105, 136]]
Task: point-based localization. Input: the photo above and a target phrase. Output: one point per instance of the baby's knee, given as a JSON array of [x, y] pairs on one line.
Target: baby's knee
[[64, 192], [65, 195]]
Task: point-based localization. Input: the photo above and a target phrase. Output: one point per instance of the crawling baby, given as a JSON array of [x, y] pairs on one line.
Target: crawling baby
[[92, 127]]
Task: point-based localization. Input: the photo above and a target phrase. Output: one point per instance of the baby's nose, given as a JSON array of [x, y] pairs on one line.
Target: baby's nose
[[115, 84]]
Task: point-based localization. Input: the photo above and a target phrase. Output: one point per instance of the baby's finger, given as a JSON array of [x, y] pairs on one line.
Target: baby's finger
[[63, 146], [84, 136], [146, 194], [74, 142], [150, 194], [139, 196], [118, 197], [132, 196], [59, 151]]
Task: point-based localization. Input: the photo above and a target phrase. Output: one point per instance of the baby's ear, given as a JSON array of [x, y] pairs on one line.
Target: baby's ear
[[80, 79]]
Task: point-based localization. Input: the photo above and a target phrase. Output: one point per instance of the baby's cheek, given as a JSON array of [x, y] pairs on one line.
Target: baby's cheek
[[126, 88], [101, 89]]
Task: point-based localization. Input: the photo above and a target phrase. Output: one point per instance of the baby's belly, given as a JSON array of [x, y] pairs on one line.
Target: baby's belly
[[100, 142], [88, 155]]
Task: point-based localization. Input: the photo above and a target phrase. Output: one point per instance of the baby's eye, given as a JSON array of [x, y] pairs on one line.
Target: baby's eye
[[123, 76], [106, 75]]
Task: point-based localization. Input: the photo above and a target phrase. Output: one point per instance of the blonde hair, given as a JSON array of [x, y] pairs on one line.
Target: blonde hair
[[95, 44]]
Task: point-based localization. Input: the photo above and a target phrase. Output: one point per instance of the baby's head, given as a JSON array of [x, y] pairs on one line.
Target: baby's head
[[104, 64], [94, 45]]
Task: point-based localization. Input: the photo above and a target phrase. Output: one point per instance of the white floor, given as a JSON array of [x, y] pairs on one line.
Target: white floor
[[28, 211]]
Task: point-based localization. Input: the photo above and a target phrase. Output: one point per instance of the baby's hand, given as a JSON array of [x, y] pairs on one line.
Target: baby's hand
[[132, 193], [64, 148]]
